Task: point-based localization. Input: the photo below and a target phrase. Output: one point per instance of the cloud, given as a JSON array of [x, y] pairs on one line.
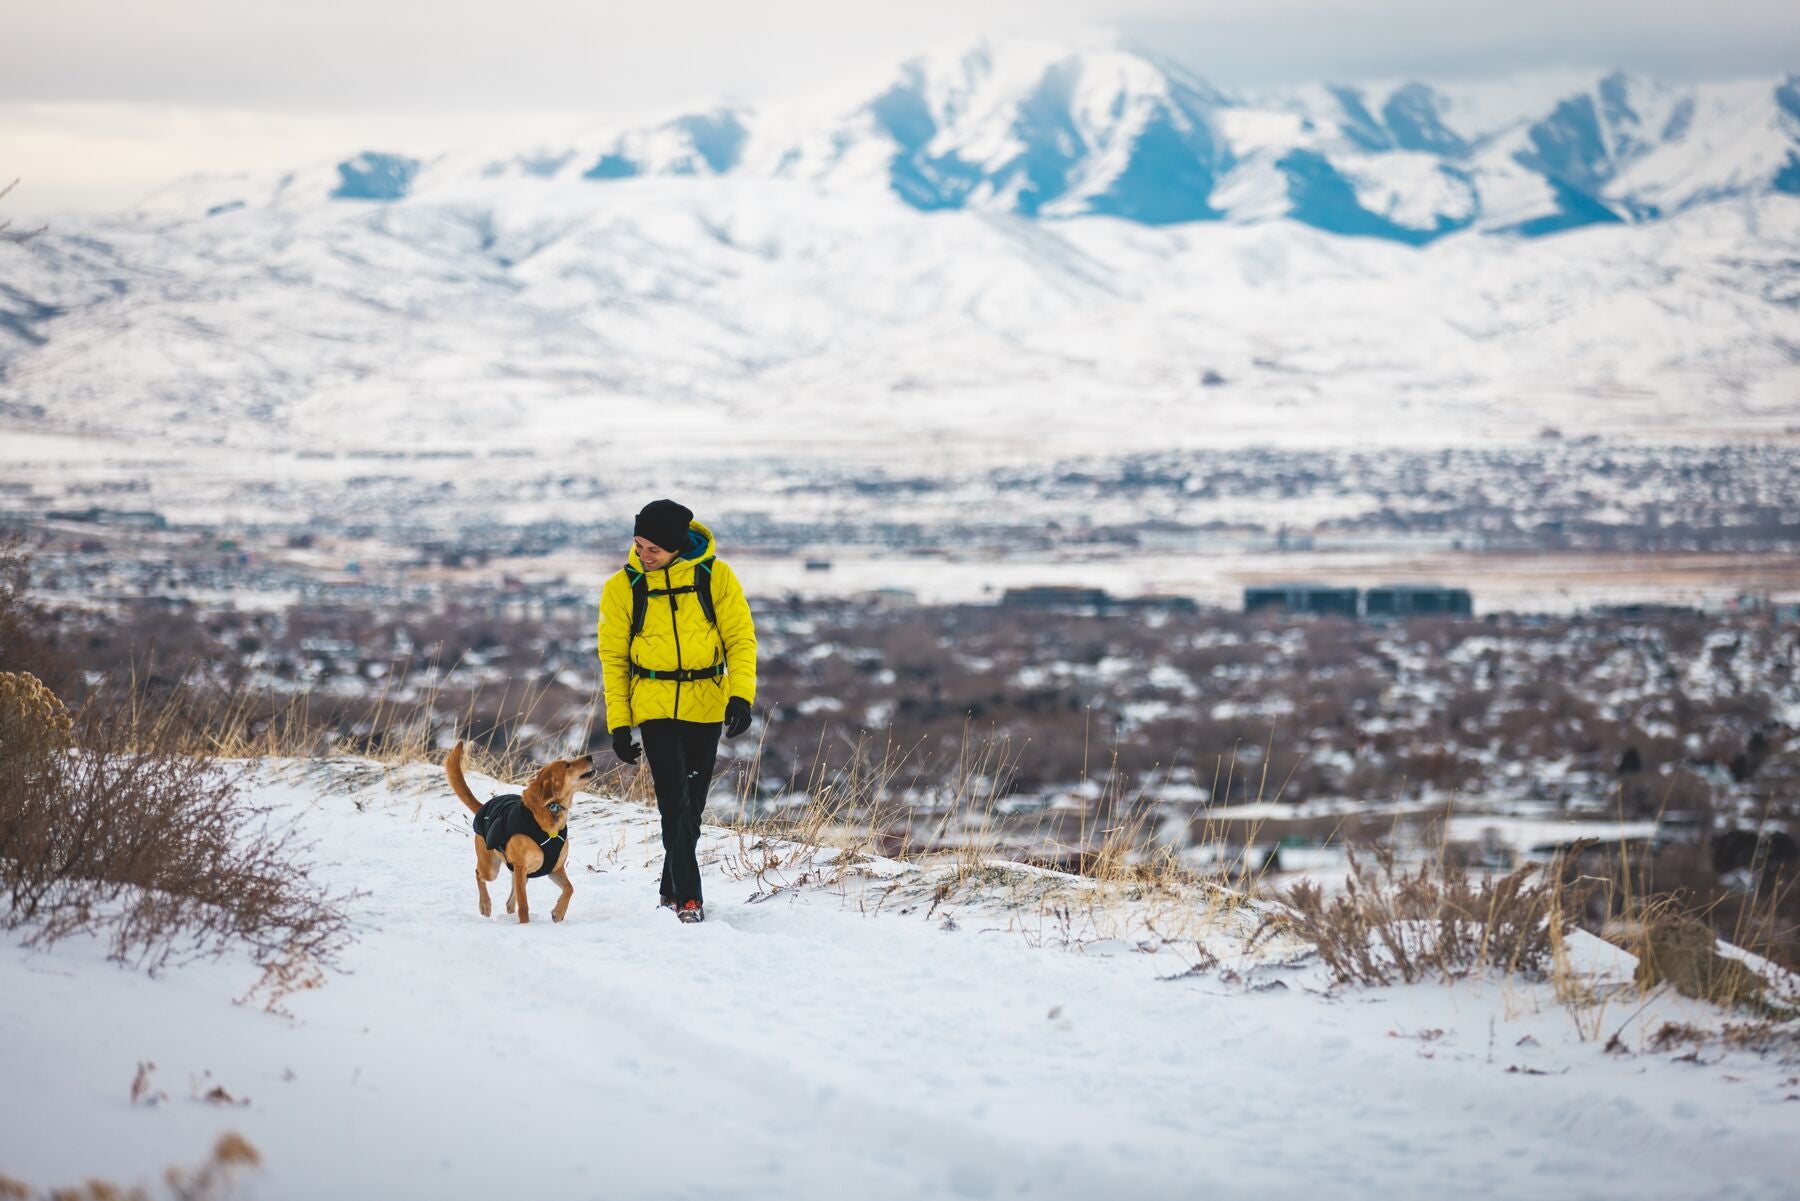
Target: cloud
[[420, 53], [1284, 41], [577, 55], [108, 155]]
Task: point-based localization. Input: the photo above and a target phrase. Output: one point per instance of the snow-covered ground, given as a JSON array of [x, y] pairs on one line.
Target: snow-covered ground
[[854, 1040]]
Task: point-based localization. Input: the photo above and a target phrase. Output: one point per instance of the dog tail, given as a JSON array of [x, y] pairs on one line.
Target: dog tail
[[458, 785]]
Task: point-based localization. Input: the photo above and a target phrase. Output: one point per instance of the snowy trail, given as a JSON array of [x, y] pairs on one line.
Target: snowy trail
[[800, 1048]]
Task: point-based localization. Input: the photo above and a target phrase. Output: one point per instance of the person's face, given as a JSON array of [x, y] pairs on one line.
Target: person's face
[[652, 556]]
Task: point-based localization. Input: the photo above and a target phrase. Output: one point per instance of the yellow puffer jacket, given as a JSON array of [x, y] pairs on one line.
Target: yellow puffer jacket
[[676, 635]]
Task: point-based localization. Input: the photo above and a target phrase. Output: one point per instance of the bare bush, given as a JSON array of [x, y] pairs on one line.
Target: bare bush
[[1430, 920], [131, 836]]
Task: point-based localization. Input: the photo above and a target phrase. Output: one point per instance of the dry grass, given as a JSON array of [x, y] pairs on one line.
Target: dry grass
[[947, 852], [848, 817], [390, 730], [1433, 919]]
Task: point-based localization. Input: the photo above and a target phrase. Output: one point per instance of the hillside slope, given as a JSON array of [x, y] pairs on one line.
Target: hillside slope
[[520, 313], [829, 1041]]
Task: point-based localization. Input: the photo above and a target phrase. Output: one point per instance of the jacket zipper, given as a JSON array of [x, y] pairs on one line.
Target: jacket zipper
[[675, 625]]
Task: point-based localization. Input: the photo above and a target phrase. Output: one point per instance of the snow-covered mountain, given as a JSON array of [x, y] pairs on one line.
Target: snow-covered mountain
[[1005, 242], [1058, 130]]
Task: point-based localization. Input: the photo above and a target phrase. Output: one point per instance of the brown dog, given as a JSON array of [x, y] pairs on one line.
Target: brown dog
[[527, 832]]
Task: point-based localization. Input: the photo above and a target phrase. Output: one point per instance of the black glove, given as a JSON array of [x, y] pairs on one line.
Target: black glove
[[737, 716], [623, 747]]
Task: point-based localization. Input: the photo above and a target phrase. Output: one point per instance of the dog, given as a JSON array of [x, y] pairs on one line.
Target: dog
[[528, 832]]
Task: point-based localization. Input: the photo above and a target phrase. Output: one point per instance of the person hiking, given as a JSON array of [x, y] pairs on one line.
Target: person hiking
[[678, 659]]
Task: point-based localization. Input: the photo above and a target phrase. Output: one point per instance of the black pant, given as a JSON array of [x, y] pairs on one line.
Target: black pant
[[681, 755]]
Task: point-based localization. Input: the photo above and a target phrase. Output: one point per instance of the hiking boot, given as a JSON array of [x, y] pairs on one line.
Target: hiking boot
[[691, 911], [665, 902]]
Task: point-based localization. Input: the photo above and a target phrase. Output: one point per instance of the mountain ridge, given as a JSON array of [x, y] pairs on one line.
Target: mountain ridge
[[1050, 130]]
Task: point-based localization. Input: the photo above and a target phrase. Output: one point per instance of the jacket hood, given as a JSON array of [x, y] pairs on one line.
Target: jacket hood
[[700, 548]]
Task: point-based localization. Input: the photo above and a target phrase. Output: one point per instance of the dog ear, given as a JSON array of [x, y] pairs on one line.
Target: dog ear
[[539, 785]]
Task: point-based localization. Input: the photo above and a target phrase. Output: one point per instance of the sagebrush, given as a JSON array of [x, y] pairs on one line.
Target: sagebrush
[[1393, 922], [129, 833]]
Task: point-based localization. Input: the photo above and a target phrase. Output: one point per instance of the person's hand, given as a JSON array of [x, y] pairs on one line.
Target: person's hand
[[737, 716], [623, 747]]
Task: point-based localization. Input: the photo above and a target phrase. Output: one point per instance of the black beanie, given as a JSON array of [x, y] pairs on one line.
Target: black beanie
[[665, 523]]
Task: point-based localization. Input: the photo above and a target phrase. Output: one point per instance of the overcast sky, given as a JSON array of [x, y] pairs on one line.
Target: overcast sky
[[100, 99]]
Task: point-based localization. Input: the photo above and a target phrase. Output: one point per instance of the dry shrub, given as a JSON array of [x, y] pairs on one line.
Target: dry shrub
[[1643, 889], [32, 721], [133, 836], [1766, 1037], [1671, 1034], [1430, 920], [1685, 953], [214, 1180]]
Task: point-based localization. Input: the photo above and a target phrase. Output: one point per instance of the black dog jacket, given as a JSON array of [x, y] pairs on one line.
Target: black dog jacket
[[505, 816]]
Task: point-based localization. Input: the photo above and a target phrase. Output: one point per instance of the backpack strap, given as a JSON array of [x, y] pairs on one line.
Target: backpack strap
[[641, 592], [703, 590], [640, 599], [703, 594]]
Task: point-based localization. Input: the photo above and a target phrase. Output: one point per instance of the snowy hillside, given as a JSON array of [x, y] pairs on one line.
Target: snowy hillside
[[880, 1037], [551, 314]]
